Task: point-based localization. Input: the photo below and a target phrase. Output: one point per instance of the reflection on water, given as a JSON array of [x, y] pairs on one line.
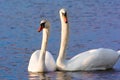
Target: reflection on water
[[63, 76], [37, 76], [50, 76], [81, 75]]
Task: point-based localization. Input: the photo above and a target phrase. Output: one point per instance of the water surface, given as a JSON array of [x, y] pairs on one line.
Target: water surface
[[93, 24]]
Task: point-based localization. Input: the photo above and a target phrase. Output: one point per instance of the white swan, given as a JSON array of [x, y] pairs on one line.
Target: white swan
[[95, 59], [42, 60]]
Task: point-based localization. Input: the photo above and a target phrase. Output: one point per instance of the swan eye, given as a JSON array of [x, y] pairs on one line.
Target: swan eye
[[42, 25], [64, 14]]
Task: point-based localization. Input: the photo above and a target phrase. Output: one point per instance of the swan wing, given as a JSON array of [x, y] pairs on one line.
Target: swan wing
[[50, 62], [32, 66], [95, 59], [118, 52]]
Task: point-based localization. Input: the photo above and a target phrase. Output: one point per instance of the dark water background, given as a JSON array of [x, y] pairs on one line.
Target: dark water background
[[93, 24]]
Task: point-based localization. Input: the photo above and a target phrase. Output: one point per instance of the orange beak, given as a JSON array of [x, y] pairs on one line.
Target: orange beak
[[40, 28]]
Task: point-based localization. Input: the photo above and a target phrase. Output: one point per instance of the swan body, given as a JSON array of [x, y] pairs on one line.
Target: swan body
[[118, 52], [34, 65], [42, 60], [95, 59]]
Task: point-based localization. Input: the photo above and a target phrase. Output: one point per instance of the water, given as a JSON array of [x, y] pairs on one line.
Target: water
[[93, 24]]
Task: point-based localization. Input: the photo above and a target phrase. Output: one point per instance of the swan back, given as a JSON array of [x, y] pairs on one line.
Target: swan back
[[118, 52], [95, 59]]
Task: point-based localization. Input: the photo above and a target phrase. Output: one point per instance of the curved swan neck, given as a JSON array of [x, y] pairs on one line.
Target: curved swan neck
[[44, 39], [43, 48], [64, 40]]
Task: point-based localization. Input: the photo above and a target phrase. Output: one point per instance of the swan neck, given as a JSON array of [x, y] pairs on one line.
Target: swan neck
[[44, 40], [43, 48], [64, 41]]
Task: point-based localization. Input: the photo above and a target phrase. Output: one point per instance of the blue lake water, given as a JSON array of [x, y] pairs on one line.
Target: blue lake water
[[93, 24]]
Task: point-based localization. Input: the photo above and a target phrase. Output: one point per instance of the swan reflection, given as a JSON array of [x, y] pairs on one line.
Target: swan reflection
[[80, 75], [37, 76], [59, 75], [63, 76]]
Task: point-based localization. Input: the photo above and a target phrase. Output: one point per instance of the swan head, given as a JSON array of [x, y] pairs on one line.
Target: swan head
[[44, 24], [63, 15], [63, 11]]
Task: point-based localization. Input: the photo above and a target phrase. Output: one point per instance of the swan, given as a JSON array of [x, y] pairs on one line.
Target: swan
[[94, 59], [42, 60]]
